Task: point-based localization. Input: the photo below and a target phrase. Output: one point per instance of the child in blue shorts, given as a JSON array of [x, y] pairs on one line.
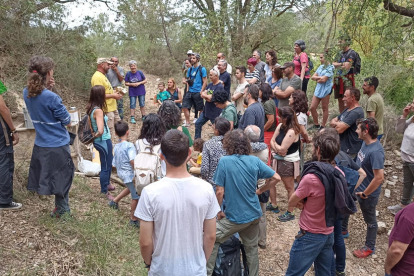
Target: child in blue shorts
[[123, 161]]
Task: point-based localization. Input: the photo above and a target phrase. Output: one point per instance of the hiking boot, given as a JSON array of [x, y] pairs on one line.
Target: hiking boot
[[57, 215], [11, 206], [113, 205], [261, 246], [286, 217], [134, 223], [133, 120], [395, 209], [337, 273], [111, 187], [314, 127], [345, 234], [270, 207], [363, 252]]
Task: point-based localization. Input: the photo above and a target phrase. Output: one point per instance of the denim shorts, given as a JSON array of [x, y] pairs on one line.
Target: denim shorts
[[133, 101], [131, 187]]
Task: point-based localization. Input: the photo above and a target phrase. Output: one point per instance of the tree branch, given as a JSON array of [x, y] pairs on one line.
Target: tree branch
[[388, 5]]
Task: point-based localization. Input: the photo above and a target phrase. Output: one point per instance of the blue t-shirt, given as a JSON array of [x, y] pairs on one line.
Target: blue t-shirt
[[197, 77], [124, 152], [370, 157], [210, 110], [323, 89], [238, 174], [273, 84], [226, 79], [254, 115], [49, 117]]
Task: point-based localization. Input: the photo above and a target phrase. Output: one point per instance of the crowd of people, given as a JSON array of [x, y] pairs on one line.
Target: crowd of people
[[260, 131]]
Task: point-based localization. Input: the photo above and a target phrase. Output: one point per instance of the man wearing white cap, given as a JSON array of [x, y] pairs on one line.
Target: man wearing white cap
[[189, 54], [99, 78]]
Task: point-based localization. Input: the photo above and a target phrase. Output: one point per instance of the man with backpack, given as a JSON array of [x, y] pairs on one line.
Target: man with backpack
[[177, 215], [196, 81], [348, 65]]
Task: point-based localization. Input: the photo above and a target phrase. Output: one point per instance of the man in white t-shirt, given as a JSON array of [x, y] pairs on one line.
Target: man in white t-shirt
[[177, 215], [237, 97]]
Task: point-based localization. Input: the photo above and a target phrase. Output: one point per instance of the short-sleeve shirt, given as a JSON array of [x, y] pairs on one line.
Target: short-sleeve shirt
[[268, 71], [250, 75], [254, 115], [178, 208], [124, 152], [239, 102], [197, 76], [348, 56], [211, 111], [312, 217], [163, 95], [138, 76], [376, 103], [323, 89], [226, 79], [261, 68], [113, 77], [302, 119], [274, 84], [303, 58], [350, 142], [100, 79], [295, 82], [230, 113], [238, 174], [187, 133], [370, 157], [270, 109], [3, 88], [403, 232]]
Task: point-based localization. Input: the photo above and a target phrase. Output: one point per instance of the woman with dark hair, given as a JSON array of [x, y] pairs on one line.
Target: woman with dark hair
[[285, 144], [275, 80], [301, 61], [102, 142], [51, 167], [271, 63], [228, 110], [252, 74], [270, 109], [171, 116]]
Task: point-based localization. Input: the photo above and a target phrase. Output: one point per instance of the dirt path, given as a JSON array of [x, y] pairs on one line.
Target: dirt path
[[31, 244]]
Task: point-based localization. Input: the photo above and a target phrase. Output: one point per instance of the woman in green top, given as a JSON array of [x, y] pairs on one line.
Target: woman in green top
[[271, 119], [102, 142], [221, 100], [171, 116]]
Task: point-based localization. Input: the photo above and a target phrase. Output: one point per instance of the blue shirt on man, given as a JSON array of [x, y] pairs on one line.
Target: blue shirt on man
[[197, 76], [238, 174]]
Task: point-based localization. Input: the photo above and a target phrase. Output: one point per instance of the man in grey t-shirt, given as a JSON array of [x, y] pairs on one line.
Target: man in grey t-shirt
[[260, 66], [115, 76], [289, 84]]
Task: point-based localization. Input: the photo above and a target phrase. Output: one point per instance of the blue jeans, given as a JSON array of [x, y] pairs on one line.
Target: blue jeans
[[133, 101], [6, 167], [105, 156], [368, 210], [200, 123], [120, 106], [338, 263], [308, 249]]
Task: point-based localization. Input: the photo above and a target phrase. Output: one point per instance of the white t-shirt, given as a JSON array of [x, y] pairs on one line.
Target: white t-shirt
[[302, 119], [178, 208], [239, 102]]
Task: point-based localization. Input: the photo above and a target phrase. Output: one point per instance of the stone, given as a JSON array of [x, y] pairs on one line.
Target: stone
[[391, 183], [382, 227], [374, 274], [389, 232], [396, 152], [376, 213], [374, 256], [399, 167], [387, 193], [395, 177]]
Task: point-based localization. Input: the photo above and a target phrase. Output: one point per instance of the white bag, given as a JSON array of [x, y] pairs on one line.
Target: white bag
[[89, 168], [147, 165]]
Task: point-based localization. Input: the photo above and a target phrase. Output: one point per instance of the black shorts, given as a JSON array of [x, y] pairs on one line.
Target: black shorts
[[191, 98]]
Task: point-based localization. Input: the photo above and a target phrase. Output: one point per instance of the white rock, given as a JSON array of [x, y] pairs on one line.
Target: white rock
[[395, 177], [374, 256], [387, 193], [374, 274], [158, 79], [382, 227], [377, 213], [391, 183], [389, 232]]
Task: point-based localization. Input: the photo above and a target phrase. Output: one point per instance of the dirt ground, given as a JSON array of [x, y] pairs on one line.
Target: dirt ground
[[29, 248]]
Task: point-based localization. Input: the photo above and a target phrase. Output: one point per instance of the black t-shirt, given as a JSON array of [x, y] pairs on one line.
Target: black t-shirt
[[349, 56], [350, 143], [254, 115], [226, 79], [210, 110]]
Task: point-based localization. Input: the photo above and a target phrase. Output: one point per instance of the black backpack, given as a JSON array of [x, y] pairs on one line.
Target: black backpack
[[85, 131], [357, 64], [230, 264]]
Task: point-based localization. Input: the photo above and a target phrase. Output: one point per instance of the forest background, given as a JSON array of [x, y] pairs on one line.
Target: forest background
[[157, 33]]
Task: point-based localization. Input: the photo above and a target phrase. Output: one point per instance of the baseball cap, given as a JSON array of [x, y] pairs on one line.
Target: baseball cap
[[104, 60], [189, 52], [287, 64]]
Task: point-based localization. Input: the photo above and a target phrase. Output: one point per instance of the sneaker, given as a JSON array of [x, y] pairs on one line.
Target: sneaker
[[345, 234], [111, 187], [286, 217], [314, 127], [337, 273], [270, 207], [195, 120], [11, 206], [262, 246], [109, 196], [113, 205], [395, 209], [57, 215], [134, 223], [133, 120], [363, 252], [185, 124], [143, 117]]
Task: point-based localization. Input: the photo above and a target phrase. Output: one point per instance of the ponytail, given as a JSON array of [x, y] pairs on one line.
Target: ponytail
[[38, 68]]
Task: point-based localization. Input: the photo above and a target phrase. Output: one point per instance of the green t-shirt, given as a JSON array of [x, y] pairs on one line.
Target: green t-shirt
[[230, 113], [186, 132], [164, 95], [270, 109], [3, 88], [376, 103]]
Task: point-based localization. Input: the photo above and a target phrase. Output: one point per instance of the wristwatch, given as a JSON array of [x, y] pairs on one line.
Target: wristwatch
[[364, 195], [147, 265]]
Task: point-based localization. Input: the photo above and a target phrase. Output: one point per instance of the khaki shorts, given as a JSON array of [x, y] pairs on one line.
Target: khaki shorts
[[113, 117]]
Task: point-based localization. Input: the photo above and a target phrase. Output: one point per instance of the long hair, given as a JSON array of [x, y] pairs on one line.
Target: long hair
[[96, 99], [287, 113], [272, 53], [152, 129], [277, 72], [175, 84], [300, 102], [267, 92], [170, 114], [38, 68]]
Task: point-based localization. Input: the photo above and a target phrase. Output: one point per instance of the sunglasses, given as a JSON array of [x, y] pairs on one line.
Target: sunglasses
[[366, 123]]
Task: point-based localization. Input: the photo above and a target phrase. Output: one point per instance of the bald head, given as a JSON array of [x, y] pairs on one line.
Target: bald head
[[253, 133]]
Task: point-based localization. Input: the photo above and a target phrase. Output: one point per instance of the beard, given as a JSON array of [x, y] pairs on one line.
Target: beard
[[314, 156], [245, 101]]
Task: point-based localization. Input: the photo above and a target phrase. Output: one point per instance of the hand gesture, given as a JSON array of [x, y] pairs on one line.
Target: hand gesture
[[406, 110], [118, 96]]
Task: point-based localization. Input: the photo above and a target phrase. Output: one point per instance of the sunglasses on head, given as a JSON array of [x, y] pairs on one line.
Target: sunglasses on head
[[366, 123]]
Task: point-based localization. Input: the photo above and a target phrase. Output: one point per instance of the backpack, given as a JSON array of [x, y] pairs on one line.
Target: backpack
[[228, 261], [357, 64], [85, 131], [147, 165]]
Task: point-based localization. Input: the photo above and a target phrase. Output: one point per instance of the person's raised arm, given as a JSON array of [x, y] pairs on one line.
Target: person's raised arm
[[146, 240], [209, 236], [394, 254]]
